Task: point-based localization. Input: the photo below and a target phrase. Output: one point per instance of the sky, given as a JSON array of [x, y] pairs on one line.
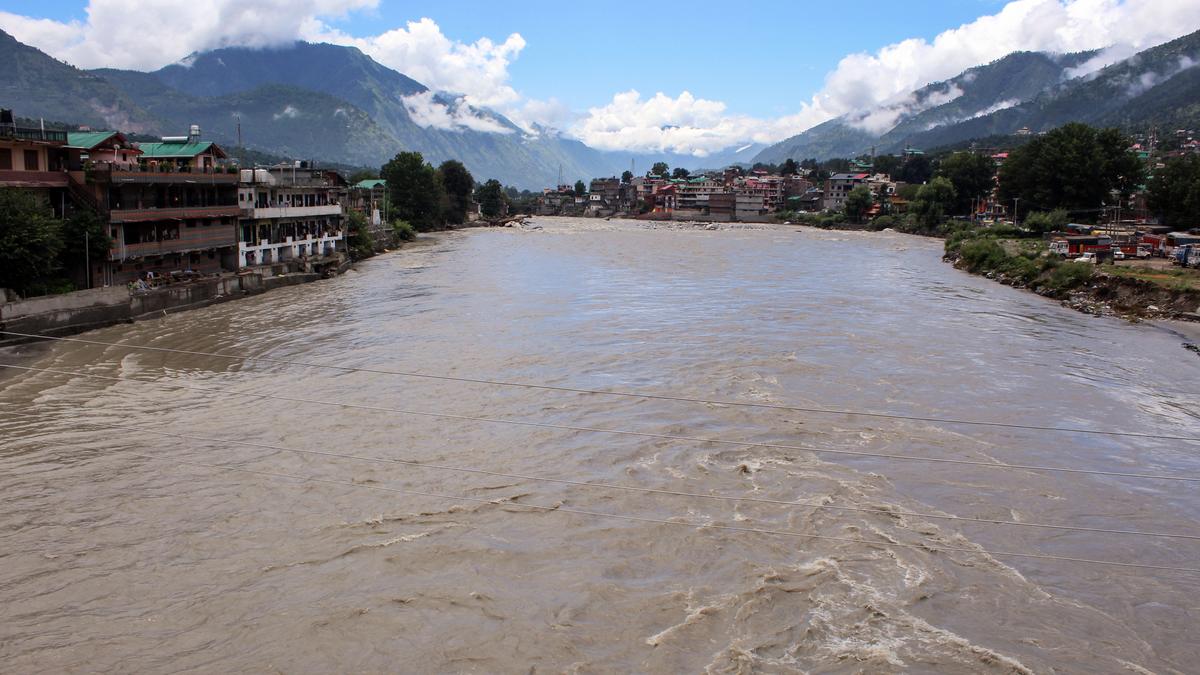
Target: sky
[[695, 77]]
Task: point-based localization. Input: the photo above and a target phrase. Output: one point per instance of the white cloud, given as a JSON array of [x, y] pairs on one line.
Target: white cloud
[[148, 35], [427, 111], [478, 70], [289, 111]]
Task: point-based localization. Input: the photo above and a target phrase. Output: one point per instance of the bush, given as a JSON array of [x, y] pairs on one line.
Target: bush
[[883, 223], [1069, 276], [403, 231], [982, 255]]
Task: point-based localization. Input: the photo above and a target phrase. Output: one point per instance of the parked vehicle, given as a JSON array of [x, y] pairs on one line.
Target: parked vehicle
[[1117, 253], [1143, 251], [1088, 257]]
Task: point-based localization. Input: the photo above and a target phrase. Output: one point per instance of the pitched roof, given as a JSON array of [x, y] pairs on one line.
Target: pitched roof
[[370, 183], [170, 150], [89, 140]]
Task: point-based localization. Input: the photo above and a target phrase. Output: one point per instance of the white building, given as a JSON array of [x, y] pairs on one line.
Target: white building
[[291, 212]]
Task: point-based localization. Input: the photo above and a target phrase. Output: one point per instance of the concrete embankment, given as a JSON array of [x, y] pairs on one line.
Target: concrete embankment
[[85, 310]]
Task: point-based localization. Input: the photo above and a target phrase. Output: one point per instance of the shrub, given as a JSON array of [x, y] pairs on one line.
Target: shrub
[[983, 255], [403, 231], [1069, 276], [883, 222]]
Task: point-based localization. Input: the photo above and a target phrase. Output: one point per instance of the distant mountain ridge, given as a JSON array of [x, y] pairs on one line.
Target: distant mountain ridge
[[1033, 90]]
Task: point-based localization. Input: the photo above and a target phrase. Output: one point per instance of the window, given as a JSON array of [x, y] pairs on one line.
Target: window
[[5, 159], [31, 161]]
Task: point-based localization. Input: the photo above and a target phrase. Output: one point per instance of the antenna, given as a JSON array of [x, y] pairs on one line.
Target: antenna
[[559, 176], [241, 149]]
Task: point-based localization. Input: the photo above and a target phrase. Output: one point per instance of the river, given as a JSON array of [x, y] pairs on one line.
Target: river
[[121, 551]]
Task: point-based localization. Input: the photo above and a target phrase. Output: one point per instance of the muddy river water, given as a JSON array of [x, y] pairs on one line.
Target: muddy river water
[[120, 551]]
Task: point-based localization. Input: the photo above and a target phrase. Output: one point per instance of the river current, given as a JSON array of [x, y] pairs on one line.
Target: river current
[[120, 551]]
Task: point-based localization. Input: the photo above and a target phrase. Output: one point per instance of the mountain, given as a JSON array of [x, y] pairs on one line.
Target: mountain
[[975, 92], [36, 85], [1158, 86]]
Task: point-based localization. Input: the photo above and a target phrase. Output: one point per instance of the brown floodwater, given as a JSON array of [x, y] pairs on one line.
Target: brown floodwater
[[117, 554]]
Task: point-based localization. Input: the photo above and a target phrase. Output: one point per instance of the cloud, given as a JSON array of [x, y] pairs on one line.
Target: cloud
[[478, 70], [427, 110], [289, 111], [684, 124], [148, 35]]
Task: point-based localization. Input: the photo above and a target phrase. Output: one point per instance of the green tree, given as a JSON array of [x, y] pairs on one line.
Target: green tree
[[972, 175], [1174, 191], [361, 175], [1042, 222], [580, 188], [492, 198], [415, 190], [660, 169], [858, 202], [916, 169], [680, 172], [933, 199], [790, 168], [887, 164], [360, 243], [627, 177], [458, 184], [1073, 167], [30, 242], [85, 240]]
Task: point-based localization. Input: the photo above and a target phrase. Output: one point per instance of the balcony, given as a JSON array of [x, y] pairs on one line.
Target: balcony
[[33, 134], [262, 213], [33, 179], [186, 213], [190, 239], [108, 173]]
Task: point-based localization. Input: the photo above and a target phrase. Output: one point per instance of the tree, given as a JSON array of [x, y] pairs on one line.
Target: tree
[[972, 175], [361, 175], [492, 198], [1041, 222], [916, 169], [660, 169], [1073, 167], [1174, 191], [680, 172], [790, 168], [886, 164], [85, 241], [458, 184], [580, 188], [858, 202], [932, 201], [415, 191], [627, 177], [30, 242], [360, 242]]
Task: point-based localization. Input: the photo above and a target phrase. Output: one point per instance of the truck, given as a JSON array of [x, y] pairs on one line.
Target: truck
[[1076, 245], [1187, 255]]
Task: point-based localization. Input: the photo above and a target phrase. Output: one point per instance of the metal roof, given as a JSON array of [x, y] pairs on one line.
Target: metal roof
[[88, 140], [370, 183], [171, 150]]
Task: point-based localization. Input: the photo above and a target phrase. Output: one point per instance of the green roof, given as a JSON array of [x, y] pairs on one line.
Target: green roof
[[88, 140], [370, 183], [170, 150]]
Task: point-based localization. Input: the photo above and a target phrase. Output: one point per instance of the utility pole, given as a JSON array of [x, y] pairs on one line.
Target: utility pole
[[87, 257], [1015, 200]]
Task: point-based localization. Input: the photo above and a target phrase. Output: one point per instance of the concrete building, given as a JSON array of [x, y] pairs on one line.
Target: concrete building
[[290, 212], [34, 159], [370, 198], [838, 186], [174, 212]]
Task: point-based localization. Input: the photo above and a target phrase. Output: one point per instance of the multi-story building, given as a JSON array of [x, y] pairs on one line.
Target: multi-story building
[[175, 211], [36, 160], [290, 212], [838, 186]]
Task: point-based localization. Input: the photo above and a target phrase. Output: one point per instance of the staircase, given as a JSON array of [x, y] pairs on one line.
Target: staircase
[[83, 196]]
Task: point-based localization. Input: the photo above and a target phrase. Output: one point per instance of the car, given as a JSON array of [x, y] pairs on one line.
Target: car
[[1089, 257], [1117, 253]]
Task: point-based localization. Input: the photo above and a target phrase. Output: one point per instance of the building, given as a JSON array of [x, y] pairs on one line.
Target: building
[[174, 212], [35, 159], [290, 212], [370, 198], [838, 186], [104, 147]]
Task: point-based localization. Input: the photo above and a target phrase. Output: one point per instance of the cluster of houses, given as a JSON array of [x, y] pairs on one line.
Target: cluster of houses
[[730, 196], [179, 208]]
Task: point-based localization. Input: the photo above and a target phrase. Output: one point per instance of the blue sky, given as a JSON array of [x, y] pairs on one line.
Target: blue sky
[[695, 77]]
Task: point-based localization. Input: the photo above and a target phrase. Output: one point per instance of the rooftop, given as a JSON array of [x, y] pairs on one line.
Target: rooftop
[[176, 149]]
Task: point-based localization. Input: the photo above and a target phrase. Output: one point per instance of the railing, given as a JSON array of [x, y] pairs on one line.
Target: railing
[[144, 215], [105, 172], [191, 239], [34, 178], [30, 134]]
